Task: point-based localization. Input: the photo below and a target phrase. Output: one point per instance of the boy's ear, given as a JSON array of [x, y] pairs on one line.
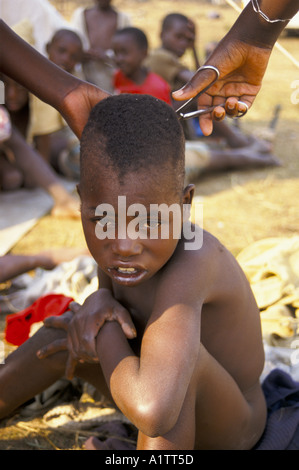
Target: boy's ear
[[188, 194]]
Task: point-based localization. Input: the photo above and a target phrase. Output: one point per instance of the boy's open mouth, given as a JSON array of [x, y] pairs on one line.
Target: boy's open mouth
[[126, 274], [127, 270]]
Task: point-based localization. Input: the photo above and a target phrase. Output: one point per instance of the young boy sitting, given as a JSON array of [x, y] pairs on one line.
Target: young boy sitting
[[130, 48], [187, 374]]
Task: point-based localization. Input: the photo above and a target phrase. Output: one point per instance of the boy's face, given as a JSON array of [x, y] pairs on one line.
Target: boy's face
[[16, 96], [128, 56], [128, 261], [176, 38], [65, 52]]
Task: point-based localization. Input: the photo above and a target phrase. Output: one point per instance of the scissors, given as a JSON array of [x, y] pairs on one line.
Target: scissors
[[199, 112]]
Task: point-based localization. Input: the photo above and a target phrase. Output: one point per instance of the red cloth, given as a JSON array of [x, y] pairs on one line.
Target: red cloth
[[17, 328], [153, 85]]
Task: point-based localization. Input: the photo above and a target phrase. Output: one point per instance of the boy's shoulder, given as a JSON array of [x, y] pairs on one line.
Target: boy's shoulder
[[204, 253], [206, 272]]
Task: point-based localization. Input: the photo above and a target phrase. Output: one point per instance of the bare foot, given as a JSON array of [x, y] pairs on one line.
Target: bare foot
[[247, 157], [260, 145], [68, 207]]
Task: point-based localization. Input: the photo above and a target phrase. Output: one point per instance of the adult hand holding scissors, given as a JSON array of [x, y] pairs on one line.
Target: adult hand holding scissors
[[240, 61]]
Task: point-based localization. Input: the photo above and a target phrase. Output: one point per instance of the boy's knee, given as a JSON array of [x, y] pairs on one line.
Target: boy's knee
[[13, 180]]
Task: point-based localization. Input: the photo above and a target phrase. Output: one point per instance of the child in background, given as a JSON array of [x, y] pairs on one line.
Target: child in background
[[96, 26], [52, 137], [130, 48], [177, 35], [187, 374], [20, 164]]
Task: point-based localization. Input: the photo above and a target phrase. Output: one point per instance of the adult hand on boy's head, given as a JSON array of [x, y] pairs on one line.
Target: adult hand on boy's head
[[241, 67], [78, 103]]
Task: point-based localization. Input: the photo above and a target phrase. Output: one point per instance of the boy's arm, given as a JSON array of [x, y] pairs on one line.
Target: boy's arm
[[150, 389], [72, 97]]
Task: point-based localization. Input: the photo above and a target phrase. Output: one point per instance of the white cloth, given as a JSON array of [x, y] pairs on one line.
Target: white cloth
[[43, 16], [77, 279]]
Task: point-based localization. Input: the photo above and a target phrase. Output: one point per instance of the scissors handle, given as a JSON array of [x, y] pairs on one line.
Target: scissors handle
[[204, 67]]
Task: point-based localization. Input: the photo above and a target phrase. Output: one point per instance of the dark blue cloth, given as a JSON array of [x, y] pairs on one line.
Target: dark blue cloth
[[282, 397]]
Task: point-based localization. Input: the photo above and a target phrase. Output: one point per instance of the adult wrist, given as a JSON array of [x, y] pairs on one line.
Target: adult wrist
[[252, 28]]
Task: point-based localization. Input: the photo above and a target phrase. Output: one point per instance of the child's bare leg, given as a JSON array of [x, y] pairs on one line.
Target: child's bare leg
[[215, 414], [24, 375]]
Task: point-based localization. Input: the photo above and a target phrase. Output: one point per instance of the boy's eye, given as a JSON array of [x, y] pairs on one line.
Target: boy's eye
[[104, 222]]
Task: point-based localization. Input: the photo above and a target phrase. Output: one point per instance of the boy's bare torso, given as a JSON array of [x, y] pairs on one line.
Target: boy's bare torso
[[101, 26], [230, 322], [230, 356]]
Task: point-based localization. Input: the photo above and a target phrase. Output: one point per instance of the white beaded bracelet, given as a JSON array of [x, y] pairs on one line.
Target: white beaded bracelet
[[257, 9]]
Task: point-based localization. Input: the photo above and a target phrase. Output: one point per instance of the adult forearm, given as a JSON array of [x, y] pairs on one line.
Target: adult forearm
[[252, 28], [28, 67]]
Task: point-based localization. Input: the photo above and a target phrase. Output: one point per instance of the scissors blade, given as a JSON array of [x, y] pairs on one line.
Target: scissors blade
[[199, 112]]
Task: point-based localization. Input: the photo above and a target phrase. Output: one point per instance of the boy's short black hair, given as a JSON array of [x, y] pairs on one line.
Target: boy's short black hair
[[130, 133], [137, 34], [170, 19], [62, 32]]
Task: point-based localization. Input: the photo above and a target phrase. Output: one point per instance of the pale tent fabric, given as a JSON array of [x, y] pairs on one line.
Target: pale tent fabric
[[272, 268]]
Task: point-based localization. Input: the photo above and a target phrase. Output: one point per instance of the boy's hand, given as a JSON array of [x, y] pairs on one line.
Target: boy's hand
[[82, 324], [98, 308], [60, 322]]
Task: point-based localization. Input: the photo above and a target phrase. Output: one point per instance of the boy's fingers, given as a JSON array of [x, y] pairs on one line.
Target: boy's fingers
[[57, 322], [129, 330], [57, 346], [74, 307], [124, 319], [70, 367]]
